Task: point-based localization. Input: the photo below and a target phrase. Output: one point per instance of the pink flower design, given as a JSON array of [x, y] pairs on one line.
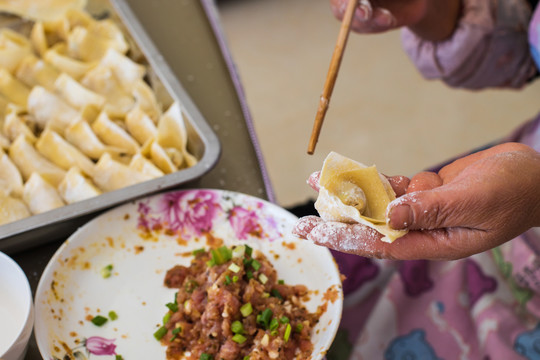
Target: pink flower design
[[244, 222], [100, 346], [192, 212]]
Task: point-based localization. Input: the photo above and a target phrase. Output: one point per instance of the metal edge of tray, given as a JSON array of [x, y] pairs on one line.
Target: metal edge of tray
[[54, 224]]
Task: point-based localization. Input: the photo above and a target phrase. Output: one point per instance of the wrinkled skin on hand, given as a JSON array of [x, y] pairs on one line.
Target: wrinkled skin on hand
[[433, 20], [471, 205]]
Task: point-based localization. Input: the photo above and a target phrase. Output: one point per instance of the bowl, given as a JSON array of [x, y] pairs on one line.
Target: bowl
[[16, 310]]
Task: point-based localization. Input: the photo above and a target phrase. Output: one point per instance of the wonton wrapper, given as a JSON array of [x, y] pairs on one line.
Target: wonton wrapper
[[15, 125], [80, 134], [112, 134], [340, 178], [77, 95], [13, 48], [102, 80], [14, 90], [140, 125], [12, 209], [62, 153], [28, 160], [10, 175], [76, 187], [41, 9], [56, 57], [112, 175], [50, 110], [159, 156], [126, 70], [40, 196], [145, 166], [33, 71], [172, 133]]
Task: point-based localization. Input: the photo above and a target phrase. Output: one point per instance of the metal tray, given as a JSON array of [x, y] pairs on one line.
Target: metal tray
[[202, 143]]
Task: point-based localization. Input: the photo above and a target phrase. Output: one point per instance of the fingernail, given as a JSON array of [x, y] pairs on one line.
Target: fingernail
[[400, 217], [364, 12], [385, 19]]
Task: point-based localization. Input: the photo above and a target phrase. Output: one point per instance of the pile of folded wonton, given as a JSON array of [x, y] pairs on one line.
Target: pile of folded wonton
[[77, 117]]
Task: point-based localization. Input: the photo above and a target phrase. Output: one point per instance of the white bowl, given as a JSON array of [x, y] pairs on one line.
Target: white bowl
[[16, 310]]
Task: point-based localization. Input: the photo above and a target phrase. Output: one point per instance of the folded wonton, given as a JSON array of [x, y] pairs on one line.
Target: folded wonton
[[351, 192], [12, 209], [76, 187], [40, 195]]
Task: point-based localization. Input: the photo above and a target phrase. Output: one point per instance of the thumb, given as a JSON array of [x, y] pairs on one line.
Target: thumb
[[429, 209]]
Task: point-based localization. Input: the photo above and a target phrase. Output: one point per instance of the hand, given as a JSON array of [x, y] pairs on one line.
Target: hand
[[473, 204], [433, 20]]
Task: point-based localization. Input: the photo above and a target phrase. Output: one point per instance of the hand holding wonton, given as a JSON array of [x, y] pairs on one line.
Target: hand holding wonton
[[471, 205]]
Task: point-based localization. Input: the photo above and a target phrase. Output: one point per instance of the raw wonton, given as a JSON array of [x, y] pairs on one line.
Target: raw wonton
[[80, 134], [76, 187], [15, 125], [42, 9], [56, 56], [112, 134], [49, 110], [172, 133], [351, 192], [140, 125], [159, 156], [62, 153], [13, 48], [12, 209], [145, 166], [40, 196], [10, 175], [126, 70], [14, 90], [112, 175], [28, 160], [76, 94], [33, 71]]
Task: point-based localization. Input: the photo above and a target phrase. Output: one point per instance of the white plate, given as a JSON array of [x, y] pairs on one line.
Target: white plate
[[72, 287]]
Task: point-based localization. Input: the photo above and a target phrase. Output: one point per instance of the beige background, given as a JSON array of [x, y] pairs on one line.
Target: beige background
[[381, 112]]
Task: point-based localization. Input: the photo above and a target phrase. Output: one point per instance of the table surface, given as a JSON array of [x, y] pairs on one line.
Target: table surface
[[189, 42]]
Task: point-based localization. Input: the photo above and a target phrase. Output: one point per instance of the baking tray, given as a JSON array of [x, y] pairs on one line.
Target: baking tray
[[202, 143]]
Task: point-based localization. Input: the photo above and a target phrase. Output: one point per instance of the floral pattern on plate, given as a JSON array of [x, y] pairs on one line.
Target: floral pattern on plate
[[137, 243]]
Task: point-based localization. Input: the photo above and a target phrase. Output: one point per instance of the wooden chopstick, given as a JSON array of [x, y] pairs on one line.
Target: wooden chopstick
[[332, 74]]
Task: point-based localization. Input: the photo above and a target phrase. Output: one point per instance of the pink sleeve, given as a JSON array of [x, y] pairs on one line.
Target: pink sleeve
[[489, 47]]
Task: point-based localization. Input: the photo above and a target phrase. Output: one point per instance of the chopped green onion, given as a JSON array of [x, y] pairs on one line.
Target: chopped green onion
[[221, 255], [205, 356], [237, 327], [99, 320], [275, 293], [263, 279], [234, 268], [211, 262], [246, 309], [160, 333], [198, 252], [273, 332], [281, 282], [235, 279], [249, 274], [247, 262], [239, 251], [249, 250], [118, 357], [227, 280], [264, 318], [166, 318], [255, 264], [172, 306], [299, 327], [284, 320], [106, 271], [265, 295], [246, 357], [113, 315], [273, 324], [175, 333], [239, 339], [287, 333]]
